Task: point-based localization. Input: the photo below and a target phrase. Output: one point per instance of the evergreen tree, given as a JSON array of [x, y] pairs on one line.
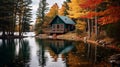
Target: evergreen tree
[[27, 17], [42, 9], [11, 13], [7, 16]]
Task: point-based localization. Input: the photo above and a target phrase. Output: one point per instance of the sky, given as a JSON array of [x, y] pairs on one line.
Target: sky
[[50, 2]]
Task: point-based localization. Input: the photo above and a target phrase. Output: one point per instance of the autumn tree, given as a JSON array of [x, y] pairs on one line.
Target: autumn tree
[[42, 9], [53, 11], [92, 9], [111, 14], [62, 10], [80, 27], [75, 12], [51, 14], [105, 13], [109, 18]]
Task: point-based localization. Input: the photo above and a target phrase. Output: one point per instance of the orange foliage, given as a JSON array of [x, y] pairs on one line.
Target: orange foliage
[[91, 3], [89, 15], [53, 11], [110, 15], [62, 10]]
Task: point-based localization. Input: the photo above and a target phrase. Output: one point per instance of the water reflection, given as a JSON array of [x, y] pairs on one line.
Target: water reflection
[[51, 52], [8, 55], [31, 52]]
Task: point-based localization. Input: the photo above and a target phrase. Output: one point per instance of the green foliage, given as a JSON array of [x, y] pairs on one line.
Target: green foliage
[[40, 20], [113, 30], [41, 10], [14, 12], [68, 0], [38, 29]]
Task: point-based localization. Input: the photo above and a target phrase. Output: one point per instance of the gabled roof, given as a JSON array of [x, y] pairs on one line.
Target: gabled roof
[[65, 19]]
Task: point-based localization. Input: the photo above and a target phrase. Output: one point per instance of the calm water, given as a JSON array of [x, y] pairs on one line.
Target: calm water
[[31, 52]]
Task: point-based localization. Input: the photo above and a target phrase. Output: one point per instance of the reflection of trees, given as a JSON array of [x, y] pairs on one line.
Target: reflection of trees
[[41, 52], [81, 55], [23, 55], [77, 57], [87, 55], [7, 53], [7, 50], [54, 56]]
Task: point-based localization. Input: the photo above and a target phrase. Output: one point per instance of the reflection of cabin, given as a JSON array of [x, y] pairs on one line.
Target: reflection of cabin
[[60, 46], [62, 24]]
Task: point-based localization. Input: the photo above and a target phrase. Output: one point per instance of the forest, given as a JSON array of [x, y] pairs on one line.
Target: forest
[[15, 16], [96, 19]]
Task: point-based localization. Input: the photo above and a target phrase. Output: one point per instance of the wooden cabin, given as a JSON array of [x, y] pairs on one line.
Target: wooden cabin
[[61, 24]]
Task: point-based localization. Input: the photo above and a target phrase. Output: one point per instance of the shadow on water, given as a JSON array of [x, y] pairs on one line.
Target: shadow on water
[[8, 55]]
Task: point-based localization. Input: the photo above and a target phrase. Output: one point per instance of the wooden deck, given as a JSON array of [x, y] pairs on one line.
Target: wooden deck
[[57, 31]]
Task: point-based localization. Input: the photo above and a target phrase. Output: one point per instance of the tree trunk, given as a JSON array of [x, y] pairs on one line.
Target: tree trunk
[[3, 33], [96, 28], [89, 32]]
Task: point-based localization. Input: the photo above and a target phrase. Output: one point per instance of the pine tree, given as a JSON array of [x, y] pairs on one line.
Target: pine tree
[[14, 11], [41, 10]]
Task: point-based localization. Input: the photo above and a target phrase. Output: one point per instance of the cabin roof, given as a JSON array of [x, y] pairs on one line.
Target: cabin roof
[[65, 19]]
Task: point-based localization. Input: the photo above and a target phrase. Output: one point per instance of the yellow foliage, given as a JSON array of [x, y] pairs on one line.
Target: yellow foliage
[[75, 11], [62, 10], [53, 11], [81, 25]]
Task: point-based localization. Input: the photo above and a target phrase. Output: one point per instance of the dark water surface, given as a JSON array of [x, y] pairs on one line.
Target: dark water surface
[[31, 52]]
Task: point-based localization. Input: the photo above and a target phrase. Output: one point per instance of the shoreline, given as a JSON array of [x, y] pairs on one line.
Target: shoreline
[[77, 38], [11, 37]]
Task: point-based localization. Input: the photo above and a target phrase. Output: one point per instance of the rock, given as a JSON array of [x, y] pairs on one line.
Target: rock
[[115, 59]]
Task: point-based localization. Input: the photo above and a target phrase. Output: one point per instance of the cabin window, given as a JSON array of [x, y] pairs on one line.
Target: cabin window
[[58, 26], [62, 25], [53, 26]]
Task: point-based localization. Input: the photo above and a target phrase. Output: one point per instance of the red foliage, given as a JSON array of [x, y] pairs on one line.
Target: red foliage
[[110, 15], [91, 4], [89, 15]]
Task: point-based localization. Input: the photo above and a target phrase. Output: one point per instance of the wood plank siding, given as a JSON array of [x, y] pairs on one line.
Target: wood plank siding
[[57, 28]]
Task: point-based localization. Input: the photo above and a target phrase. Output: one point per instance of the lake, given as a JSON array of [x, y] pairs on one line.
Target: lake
[[33, 52]]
